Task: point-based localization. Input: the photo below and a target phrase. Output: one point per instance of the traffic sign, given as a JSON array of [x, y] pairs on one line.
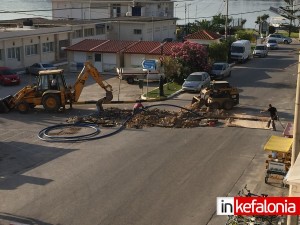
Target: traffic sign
[[149, 64]]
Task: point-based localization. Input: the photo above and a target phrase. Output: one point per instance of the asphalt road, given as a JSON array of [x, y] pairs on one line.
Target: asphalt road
[[152, 176]]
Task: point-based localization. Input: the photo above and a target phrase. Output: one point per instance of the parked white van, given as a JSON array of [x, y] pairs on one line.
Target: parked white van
[[240, 50]]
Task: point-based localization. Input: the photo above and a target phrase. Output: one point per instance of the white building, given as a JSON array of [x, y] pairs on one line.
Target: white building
[[98, 9], [41, 40]]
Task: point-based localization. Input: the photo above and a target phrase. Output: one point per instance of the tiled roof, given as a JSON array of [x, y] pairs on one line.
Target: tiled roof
[[151, 47], [92, 45], [114, 46], [85, 45], [203, 35]]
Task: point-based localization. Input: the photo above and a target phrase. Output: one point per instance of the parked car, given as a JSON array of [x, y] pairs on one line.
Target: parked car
[[8, 76], [220, 70], [36, 67], [272, 44], [260, 50], [280, 38], [196, 81]]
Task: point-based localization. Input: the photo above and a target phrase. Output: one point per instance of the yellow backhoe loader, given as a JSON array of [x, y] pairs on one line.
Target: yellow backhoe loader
[[52, 92]]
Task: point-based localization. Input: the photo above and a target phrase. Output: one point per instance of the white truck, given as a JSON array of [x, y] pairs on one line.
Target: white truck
[[240, 50], [130, 74]]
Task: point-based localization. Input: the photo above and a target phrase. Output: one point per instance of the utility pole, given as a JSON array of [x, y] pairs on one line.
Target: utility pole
[[184, 18], [226, 19]]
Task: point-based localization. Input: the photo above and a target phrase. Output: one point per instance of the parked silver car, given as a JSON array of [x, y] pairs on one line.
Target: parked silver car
[[280, 38], [36, 67], [196, 81], [272, 44], [220, 70]]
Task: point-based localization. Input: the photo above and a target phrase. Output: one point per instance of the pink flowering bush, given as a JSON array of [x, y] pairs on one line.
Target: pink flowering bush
[[192, 56]]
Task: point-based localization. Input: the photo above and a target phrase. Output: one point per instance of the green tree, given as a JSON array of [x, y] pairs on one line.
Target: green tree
[[172, 67], [217, 24], [245, 35], [200, 25], [218, 51]]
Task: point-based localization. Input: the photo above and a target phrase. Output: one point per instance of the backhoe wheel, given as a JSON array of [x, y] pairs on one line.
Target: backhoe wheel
[[51, 102], [228, 105], [23, 107]]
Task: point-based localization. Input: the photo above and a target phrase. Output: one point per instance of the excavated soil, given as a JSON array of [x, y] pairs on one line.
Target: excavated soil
[[147, 118]]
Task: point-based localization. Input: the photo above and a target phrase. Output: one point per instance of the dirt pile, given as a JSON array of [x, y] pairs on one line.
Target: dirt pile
[[147, 118]]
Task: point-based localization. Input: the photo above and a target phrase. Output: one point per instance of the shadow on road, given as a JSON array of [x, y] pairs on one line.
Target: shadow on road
[[19, 157]]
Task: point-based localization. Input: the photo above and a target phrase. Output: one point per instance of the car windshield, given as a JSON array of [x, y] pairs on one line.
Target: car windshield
[[272, 41], [7, 72], [217, 67], [260, 47], [194, 78], [46, 65], [237, 49]]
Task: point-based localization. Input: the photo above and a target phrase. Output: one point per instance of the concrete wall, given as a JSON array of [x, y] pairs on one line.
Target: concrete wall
[[153, 31]]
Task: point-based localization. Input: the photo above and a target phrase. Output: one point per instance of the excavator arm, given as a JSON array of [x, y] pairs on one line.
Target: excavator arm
[[90, 70]]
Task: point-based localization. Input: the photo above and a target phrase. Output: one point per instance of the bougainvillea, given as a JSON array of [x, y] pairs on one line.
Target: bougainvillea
[[192, 56]]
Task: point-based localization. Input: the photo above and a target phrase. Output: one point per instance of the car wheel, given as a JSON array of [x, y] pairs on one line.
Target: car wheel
[[130, 80], [51, 102], [285, 42], [229, 74]]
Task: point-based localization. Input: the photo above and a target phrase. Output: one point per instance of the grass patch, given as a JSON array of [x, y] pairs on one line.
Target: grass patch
[[169, 89]]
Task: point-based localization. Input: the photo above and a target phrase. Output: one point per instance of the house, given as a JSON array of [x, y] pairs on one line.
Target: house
[[204, 37], [107, 55], [24, 42]]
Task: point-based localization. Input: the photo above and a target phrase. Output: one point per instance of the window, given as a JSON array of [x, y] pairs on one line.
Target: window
[[100, 29], [14, 53], [116, 10], [11, 53], [88, 32], [31, 49], [77, 34], [48, 47], [137, 31]]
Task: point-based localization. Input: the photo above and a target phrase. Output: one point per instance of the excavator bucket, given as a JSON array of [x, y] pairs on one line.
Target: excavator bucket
[[200, 101], [4, 104], [195, 99]]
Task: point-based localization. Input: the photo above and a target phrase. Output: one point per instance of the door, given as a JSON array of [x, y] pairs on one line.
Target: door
[[98, 62]]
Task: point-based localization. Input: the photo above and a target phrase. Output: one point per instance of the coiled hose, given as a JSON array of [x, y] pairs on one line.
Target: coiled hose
[[45, 136]]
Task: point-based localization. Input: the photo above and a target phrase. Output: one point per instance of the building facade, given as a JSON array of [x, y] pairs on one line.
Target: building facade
[[99, 9]]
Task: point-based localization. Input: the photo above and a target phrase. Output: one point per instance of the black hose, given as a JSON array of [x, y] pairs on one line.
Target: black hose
[[44, 134]]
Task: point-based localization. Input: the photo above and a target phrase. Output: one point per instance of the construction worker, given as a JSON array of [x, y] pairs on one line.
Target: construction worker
[[138, 106], [273, 116]]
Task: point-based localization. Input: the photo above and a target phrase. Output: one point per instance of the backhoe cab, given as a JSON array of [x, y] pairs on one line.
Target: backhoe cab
[[52, 92]]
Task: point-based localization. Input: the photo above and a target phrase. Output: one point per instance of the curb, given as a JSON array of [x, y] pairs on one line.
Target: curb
[[161, 98]]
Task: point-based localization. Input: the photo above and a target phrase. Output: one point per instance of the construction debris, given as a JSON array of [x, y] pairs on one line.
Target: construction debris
[[197, 117], [146, 118]]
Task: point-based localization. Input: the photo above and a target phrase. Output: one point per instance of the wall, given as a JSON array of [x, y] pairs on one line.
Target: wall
[[162, 30]]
